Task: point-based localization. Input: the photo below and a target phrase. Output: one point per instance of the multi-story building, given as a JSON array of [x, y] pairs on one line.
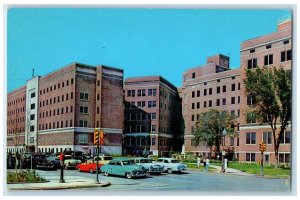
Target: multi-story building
[[152, 116], [60, 111], [271, 50], [212, 86]]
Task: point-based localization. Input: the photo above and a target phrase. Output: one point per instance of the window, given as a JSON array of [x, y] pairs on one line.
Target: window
[[252, 50], [67, 82], [152, 141], [268, 59], [284, 157], [267, 137], [250, 100], [204, 105], [239, 99], [269, 46], [252, 63], [250, 157], [84, 96], [83, 138], [198, 105], [286, 41], [32, 95], [83, 123], [233, 77], [72, 81], [193, 75], [151, 104], [232, 100], [232, 113], [193, 105], [58, 86], [198, 93], [218, 102], [286, 55], [32, 117], [84, 110], [153, 115], [251, 117], [205, 83], [193, 118], [31, 128], [32, 106], [193, 94], [224, 101], [205, 92], [233, 87], [71, 95], [141, 93], [239, 86], [251, 138], [151, 92], [218, 80], [231, 141], [286, 138], [224, 88], [218, 89], [210, 91], [210, 103], [153, 128]]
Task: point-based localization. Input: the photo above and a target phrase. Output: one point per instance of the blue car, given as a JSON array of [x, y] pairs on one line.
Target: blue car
[[124, 167]]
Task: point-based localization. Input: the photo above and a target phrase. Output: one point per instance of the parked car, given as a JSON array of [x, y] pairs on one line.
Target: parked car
[[88, 167], [71, 163], [153, 168], [103, 158], [171, 165], [55, 161], [37, 161], [78, 155], [124, 167]]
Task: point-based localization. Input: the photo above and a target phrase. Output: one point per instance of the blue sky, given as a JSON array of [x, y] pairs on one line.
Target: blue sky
[[143, 42]]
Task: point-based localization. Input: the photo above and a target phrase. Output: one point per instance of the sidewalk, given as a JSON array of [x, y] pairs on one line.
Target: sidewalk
[[231, 171], [55, 185]]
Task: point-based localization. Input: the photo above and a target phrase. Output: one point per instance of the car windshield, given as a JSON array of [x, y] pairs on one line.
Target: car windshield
[[175, 161], [107, 158], [128, 162], [146, 161]]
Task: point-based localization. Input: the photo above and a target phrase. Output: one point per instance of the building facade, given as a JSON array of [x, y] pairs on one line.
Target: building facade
[[271, 50], [212, 86], [152, 112], [63, 108]]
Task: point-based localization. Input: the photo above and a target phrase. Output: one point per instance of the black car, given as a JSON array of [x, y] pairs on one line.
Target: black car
[[38, 161], [55, 161]]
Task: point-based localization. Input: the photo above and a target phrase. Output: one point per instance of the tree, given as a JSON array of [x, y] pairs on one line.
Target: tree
[[210, 126], [271, 89]]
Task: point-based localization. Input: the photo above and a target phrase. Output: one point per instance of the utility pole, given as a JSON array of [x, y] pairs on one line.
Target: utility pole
[[97, 142]]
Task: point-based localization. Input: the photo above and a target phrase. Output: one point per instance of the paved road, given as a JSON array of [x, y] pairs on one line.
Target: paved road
[[191, 180]]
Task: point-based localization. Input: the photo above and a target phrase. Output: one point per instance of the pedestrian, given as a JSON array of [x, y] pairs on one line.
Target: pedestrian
[[198, 161], [204, 163], [225, 164], [207, 164]]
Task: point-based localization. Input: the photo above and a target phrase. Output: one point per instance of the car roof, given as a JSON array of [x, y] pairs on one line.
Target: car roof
[[121, 159], [167, 158], [139, 158]]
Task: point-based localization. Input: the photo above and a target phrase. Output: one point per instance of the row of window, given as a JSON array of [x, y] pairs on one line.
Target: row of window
[[16, 130], [140, 116], [141, 93], [15, 111], [283, 157], [56, 99], [218, 103], [140, 104], [16, 101], [53, 125], [232, 112], [49, 89], [268, 59], [57, 111], [16, 120], [209, 91], [267, 138], [142, 141]]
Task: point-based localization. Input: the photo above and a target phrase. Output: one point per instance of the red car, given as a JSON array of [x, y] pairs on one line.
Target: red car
[[88, 167]]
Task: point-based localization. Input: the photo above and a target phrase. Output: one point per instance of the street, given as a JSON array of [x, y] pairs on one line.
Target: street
[[191, 180]]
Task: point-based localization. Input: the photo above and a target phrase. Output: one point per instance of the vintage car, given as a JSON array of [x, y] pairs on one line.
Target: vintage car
[[55, 161], [88, 167], [124, 167], [171, 165], [153, 168], [103, 158], [71, 163], [36, 161]]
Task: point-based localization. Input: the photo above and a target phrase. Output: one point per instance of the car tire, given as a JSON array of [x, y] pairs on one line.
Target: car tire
[[106, 174], [129, 175], [170, 171], [79, 169], [91, 171]]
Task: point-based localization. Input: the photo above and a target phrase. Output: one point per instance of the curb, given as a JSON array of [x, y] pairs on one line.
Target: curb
[[62, 187]]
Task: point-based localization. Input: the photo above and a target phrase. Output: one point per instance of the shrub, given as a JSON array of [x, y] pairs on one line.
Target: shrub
[[24, 176]]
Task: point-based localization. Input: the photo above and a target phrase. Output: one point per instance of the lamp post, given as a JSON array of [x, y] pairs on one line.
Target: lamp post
[[223, 152]]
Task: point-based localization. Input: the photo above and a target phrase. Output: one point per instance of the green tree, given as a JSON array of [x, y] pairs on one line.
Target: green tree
[[210, 127], [271, 90]]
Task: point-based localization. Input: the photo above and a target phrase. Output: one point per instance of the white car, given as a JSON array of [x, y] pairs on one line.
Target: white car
[[152, 168], [171, 165]]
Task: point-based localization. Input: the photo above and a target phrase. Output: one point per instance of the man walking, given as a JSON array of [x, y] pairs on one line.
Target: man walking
[[207, 164], [198, 161]]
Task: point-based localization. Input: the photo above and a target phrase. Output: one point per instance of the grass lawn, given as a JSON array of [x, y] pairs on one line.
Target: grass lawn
[[255, 169], [194, 166]]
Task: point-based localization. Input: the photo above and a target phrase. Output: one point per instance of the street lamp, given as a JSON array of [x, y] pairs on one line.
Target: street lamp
[[223, 152]]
